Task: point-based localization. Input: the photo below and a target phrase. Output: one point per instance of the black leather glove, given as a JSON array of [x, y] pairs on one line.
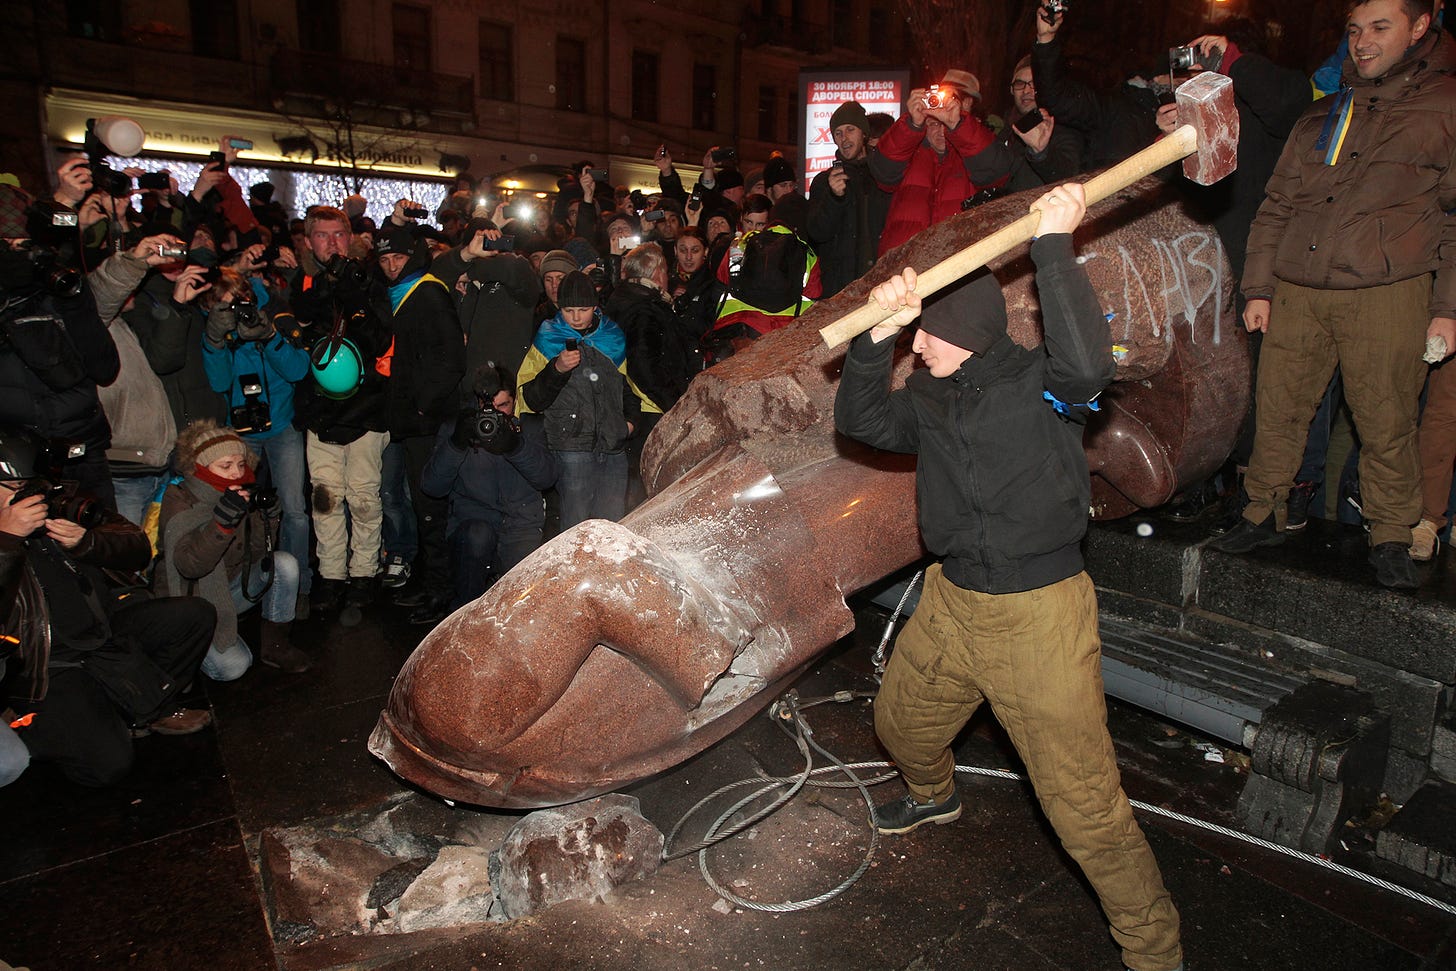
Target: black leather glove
[[230, 509], [464, 434]]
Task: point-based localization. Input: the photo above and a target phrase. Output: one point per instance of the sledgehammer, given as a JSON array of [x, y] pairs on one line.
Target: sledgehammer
[[1206, 139]]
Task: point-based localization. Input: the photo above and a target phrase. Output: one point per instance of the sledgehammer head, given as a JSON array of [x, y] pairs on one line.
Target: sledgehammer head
[[1206, 102]]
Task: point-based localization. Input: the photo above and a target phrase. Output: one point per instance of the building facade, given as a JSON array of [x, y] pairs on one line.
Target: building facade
[[334, 91]]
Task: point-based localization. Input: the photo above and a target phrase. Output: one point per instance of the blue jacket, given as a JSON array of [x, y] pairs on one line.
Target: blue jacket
[[276, 362]]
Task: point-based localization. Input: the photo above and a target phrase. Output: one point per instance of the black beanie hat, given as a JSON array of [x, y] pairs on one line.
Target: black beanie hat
[[576, 291], [777, 170], [972, 315], [850, 113], [729, 179]]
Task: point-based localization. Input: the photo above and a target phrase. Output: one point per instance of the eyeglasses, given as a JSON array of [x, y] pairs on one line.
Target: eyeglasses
[[1020, 86]]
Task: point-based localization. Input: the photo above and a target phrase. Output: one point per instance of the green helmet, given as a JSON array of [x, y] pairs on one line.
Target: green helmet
[[340, 373]]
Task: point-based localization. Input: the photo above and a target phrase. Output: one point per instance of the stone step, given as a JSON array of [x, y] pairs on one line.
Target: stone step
[[1316, 587], [1422, 837]]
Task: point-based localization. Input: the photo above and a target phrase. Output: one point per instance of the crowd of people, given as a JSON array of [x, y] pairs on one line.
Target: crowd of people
[[208, 404]]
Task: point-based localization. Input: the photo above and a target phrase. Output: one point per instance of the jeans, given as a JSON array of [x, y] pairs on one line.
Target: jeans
[[134, 493], [592, 485], [230, 662], [481, 553], [14, 756], [284, 456], [400, 537]]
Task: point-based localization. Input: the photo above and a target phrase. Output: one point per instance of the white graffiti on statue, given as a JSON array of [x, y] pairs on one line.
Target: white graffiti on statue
[[1190, 270]]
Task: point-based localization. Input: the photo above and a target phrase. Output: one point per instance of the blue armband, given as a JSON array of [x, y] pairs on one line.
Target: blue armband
[[1064, 409]]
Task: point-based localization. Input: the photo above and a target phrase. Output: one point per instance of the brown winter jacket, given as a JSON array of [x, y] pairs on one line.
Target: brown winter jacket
[[1378, 216], [199, 559]]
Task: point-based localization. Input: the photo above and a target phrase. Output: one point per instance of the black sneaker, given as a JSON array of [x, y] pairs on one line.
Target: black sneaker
[[905, 814], [413, 595], [429, 613], [327, 596], [1246, 536], [1298, 505], [396, 572], [360, 592], [1394, 567]]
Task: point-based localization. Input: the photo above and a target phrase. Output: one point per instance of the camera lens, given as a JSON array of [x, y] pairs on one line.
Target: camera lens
[[81, 510], [265, 499]]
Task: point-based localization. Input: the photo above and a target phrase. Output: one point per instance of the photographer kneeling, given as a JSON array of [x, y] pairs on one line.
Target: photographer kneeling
[[494, 469], [89, 662], [217, 542]]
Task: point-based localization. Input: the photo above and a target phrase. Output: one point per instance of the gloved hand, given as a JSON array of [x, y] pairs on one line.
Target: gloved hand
[[220, 323], [260, 329], [464, 434], [230, 509]]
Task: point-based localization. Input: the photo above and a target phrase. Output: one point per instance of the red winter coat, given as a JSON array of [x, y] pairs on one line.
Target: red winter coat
[[931, 187]]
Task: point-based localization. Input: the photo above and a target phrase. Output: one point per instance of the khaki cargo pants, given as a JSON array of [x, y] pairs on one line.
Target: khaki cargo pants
[[1036, 657], [1377, 336]]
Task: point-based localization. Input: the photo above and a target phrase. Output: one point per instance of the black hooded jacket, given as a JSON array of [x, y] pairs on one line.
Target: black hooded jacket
[[1002, 479], [429, 350]]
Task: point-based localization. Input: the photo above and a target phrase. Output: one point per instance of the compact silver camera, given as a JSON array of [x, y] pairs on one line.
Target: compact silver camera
[[1181, 59], [169, 252]]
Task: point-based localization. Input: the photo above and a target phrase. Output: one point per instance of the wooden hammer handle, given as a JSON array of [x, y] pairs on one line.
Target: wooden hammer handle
[[1180, 144]]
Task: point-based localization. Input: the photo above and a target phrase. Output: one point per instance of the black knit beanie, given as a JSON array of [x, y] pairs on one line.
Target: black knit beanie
[[971, 315]]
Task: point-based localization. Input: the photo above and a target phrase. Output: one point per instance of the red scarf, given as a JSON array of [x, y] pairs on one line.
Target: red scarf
[[218, 482]]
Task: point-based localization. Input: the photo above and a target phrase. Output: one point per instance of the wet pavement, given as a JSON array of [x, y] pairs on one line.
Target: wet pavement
[[161, 871]]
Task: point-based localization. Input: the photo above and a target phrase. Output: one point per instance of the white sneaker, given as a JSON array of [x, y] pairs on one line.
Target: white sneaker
[[396, 572], [1424, 541]]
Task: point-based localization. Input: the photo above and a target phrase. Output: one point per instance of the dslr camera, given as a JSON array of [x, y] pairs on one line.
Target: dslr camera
[[725, 156], [51, 274], [495, 431], [63, 502], [253, 414], [341, 271]]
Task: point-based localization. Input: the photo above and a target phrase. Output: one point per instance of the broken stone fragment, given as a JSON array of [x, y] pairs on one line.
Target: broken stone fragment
[[455, 889], [576, 852]]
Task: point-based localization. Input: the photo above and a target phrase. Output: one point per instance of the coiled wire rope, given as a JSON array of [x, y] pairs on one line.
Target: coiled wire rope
[[788, 711]]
